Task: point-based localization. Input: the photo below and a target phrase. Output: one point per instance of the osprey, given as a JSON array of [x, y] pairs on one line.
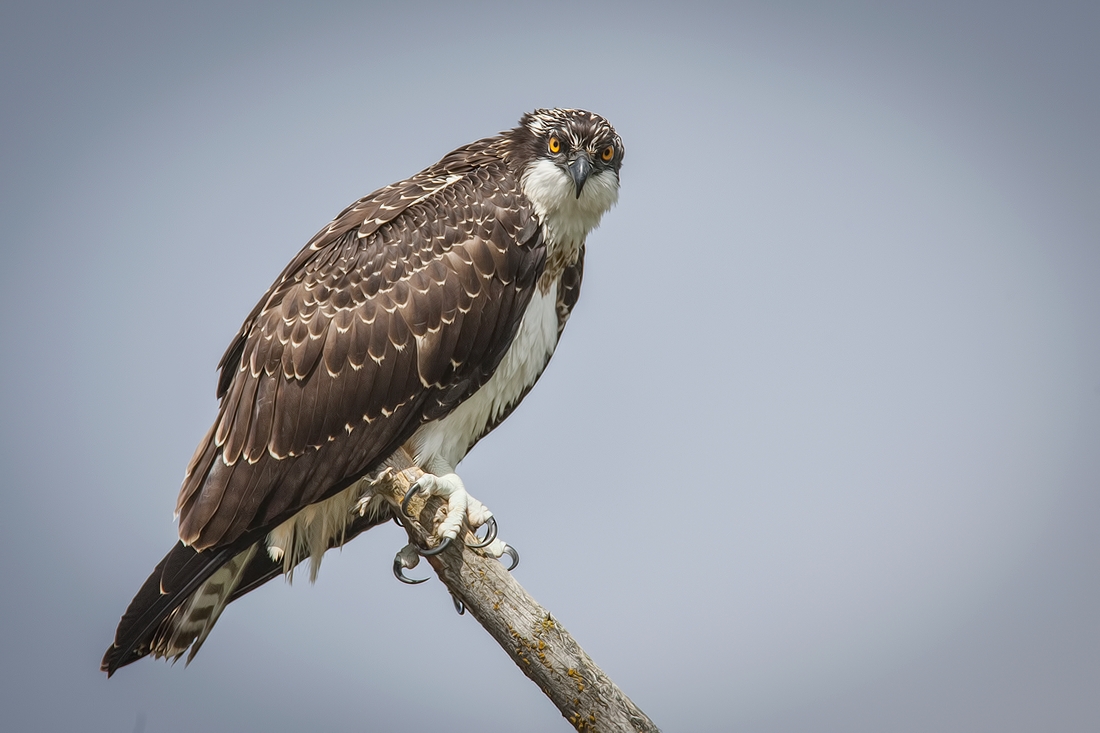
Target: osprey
[[417, 320]]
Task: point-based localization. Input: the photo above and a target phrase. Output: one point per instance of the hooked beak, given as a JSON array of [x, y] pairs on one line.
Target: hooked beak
[[579, 170]]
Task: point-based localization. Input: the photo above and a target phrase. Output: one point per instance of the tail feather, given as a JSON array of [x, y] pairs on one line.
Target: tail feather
[[174, 579], [181, 601], [190, 623]]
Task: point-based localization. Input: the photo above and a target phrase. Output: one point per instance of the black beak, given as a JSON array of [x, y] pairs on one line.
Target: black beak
[[579, 170]]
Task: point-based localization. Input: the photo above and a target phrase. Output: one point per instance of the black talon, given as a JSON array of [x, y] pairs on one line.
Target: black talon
[[438, 549], [511, 552], [490, 534], [399, 573], [458, 606], [408, 495]]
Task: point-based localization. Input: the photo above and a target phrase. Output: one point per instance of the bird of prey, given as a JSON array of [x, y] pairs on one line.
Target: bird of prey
[[417, 320]]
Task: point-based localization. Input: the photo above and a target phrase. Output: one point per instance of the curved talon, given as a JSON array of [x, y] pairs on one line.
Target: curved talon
[[436, 550], [399, 573], [490, 534], [511, 552], [408, 495], [458, 606]]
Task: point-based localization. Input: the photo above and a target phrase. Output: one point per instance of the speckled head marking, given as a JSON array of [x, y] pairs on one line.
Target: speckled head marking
[[576, 129]]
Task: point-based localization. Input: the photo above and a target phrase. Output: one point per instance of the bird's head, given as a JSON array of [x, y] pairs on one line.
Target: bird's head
[[569, 163]]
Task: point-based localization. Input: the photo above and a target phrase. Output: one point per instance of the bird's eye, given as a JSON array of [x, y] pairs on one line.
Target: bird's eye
[[608, 153], [554, 145]]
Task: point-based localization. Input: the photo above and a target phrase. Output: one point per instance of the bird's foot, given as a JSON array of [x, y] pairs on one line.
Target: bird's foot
[[460, 507]]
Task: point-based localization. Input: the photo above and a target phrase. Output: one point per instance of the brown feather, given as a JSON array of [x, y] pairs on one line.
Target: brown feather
[[338, 341], [202, 505], [263, 416], [435, 258], [242, 416]]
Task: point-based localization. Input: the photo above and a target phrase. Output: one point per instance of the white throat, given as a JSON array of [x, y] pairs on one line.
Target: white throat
[[567, 219]]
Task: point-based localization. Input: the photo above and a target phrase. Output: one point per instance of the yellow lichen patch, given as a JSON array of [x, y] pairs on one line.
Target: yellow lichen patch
[[582, 722]]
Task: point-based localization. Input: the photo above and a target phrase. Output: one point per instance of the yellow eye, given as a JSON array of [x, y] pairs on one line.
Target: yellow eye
[[554, 145], [608, 153]]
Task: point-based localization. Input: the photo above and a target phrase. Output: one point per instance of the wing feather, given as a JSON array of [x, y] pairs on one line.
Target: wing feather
[[197, 511], [394, 313], [285, 427], [467, 326], [263, 416], [338, 342], [241, 418], [228, 411]]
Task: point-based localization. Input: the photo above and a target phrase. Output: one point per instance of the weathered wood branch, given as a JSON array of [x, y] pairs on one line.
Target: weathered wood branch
[[535, 640]]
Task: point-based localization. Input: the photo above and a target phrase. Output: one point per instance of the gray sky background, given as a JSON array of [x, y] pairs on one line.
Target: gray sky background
[[820, 449]]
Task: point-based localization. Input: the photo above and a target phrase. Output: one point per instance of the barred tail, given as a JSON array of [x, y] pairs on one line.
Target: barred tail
[[158, 619], [181, 601]]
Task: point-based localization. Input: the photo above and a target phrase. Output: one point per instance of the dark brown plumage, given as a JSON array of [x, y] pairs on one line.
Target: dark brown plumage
[[390, 317]]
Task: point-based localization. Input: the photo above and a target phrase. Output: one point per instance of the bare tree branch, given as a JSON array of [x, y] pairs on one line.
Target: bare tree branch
[[535, 640]]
